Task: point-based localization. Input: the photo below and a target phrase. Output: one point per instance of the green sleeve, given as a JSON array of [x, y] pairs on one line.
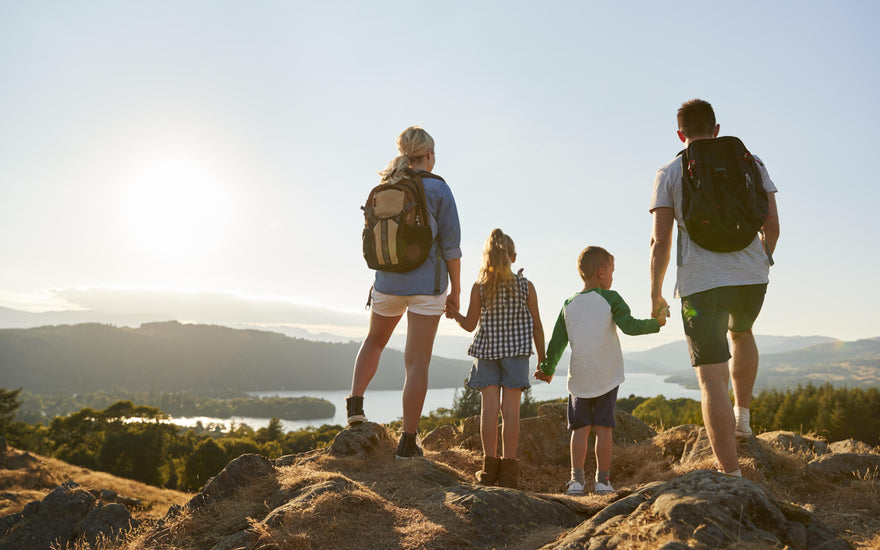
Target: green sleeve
[[557, 345], [622, 318]]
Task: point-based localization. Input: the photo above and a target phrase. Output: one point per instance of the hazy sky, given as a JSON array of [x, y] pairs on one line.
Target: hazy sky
[[217, 153]]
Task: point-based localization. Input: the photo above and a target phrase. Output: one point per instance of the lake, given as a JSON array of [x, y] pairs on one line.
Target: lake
[[384, 405]]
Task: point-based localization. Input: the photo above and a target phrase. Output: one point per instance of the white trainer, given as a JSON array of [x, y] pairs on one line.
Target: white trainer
[[574, 488], [743, 430], [603, 488]]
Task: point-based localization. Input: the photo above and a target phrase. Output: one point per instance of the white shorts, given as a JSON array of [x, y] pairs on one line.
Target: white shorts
[[389, 305]]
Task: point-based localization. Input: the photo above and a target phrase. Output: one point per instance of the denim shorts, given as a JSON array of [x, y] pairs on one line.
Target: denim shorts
[[592, 411], [508, 372]]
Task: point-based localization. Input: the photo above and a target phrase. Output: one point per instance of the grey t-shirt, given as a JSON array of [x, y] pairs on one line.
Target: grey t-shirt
[[700, 269]]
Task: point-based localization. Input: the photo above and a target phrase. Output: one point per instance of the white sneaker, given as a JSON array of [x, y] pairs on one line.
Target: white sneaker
[[603, 488], [574, 488], [743, 431]]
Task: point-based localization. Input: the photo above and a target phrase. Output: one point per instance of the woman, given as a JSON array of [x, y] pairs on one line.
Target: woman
[[412, 292]]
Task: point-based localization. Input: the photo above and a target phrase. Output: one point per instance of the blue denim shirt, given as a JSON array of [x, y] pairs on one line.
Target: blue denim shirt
[[447, 232]]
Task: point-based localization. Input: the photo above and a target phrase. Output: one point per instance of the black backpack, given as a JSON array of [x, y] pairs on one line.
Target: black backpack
[[397, 232], [724, 203]]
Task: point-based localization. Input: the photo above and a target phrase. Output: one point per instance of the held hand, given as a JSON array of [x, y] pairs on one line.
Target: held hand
[[451, 311], [661, 320], [659, 308], [541, 376], [452, 301]]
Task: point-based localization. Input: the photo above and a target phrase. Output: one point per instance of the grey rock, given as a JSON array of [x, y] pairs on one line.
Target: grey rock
[[843, 466], [56, 520], [794, 443], [106, 521], [239, 473], [852, 446], [242, 540], [439, 438], [501, 516], [712, 509], [362, 439]]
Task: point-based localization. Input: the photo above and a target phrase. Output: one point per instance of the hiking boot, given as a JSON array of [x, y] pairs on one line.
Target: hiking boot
[[603, 488], [574, 488], [489, 474], [508, 474], [408, 447], [354, 405]]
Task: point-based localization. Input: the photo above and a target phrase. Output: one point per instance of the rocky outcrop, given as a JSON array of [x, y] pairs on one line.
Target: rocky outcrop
[[493, 515], [795, 443], [700, 509], [852, 446], [844, 466], [68, 514]]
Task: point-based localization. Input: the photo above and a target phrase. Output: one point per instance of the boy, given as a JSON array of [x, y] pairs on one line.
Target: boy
[[588, 320]]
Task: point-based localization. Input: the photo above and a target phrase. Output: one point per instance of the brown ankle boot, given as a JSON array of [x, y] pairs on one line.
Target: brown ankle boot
[[509, 473], [489, 474]]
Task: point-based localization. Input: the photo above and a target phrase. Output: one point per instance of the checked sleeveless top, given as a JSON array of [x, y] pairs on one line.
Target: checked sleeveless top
[[505, 326]]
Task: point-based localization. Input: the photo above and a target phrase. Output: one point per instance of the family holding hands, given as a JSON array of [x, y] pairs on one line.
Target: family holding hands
[[721, 291]]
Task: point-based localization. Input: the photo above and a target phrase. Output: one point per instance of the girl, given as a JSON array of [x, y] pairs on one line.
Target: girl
[[412, 292], [506, 307]]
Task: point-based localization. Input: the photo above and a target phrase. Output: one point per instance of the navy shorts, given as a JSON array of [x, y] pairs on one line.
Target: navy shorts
[[508, 372], [708, 315], [592, 411]]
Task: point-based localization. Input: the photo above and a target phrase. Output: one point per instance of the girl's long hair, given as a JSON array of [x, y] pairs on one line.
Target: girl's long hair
[[412, 143], [495, 269]]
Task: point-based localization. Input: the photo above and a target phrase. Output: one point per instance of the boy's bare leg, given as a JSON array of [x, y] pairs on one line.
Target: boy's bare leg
[[420, 332], [718, 413], [579, 447], [603, 448], [490, 404], [367, 361], [743, 367], [510, 415]]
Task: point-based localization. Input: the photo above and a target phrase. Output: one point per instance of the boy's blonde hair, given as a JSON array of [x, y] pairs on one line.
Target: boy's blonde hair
[[591, 259], [495, 266], [412, 143]]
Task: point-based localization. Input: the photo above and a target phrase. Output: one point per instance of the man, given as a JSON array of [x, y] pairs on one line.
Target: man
[[721, 292]]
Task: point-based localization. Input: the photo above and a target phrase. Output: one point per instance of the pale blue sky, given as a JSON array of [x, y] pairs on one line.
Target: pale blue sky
[[226, 146]]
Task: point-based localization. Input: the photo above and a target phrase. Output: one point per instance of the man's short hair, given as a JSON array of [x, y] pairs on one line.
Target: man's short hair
[[591, 259], [696, 118]]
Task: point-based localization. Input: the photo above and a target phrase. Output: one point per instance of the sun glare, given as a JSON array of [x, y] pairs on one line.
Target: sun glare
[[174, 208]]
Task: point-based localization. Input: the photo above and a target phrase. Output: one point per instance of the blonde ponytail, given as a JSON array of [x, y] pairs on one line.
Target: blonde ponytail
[[412, 144], [495, 271]]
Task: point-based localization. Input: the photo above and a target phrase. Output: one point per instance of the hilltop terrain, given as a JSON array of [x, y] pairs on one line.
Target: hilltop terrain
[[799, 492]]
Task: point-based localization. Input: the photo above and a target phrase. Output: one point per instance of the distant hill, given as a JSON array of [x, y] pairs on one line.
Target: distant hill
[[673, 357], [171, 356], [851, 364]]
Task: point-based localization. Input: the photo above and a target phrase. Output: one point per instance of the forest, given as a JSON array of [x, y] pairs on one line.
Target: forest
[[132, 441]]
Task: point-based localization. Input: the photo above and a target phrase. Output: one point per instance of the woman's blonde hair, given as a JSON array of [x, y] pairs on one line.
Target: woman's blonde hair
[[412, 144], [495, 269]]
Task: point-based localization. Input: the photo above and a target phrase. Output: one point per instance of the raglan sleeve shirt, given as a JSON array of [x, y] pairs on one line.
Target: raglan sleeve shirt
[[589, 321]]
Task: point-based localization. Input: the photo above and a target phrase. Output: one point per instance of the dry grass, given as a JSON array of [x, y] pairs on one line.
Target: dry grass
[[32, 479]]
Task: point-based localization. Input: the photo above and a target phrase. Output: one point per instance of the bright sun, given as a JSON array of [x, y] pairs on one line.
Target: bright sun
[[174, 209]]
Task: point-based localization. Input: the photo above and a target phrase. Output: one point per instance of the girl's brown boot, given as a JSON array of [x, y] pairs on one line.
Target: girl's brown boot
[[507, 476], [489, 474]]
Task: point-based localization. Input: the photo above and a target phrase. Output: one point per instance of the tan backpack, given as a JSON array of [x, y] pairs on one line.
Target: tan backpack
[[397, 232]]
